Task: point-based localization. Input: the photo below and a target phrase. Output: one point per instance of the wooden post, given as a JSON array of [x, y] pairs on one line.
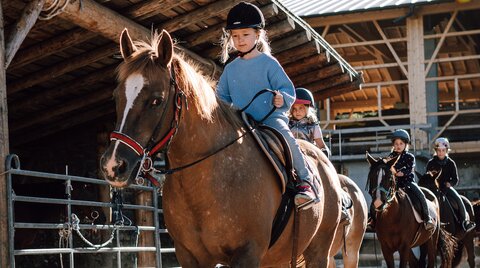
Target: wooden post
[[4, 151], [146, 239], [416, 80]]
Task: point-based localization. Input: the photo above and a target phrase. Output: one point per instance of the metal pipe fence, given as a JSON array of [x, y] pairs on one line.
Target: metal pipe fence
[[74, 228]]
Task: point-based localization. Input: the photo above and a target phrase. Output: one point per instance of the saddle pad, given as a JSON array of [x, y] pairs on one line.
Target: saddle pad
[[418, 217], [269, 141]]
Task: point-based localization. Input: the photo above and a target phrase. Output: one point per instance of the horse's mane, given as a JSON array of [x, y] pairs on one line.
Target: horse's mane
[[194, 85]]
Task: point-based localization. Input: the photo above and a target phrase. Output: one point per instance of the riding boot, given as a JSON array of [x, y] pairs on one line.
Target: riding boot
[[427, 220], [466, 224], [305, 197]]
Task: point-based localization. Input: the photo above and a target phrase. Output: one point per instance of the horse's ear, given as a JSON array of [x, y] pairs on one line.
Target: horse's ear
[[127, 48], [371, 160], [165, 49]]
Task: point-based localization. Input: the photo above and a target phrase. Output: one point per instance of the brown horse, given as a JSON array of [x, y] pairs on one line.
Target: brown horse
[[451, 224], [396, 227], [349, 237], [221, 193]]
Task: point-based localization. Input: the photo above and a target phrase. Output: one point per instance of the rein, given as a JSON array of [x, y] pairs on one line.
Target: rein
[[149, 152], [388, 193]]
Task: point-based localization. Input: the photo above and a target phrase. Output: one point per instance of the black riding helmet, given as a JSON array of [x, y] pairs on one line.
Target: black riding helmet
[[401, 134], [245, 15], [304, 96]]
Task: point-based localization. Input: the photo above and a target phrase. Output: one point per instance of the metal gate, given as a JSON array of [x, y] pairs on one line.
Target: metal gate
[[72, 228]]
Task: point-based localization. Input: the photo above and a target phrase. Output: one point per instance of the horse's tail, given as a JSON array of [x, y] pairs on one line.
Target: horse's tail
[[447, 245]]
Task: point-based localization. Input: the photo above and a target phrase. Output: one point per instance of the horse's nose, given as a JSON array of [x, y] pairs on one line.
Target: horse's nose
[[113, 168]]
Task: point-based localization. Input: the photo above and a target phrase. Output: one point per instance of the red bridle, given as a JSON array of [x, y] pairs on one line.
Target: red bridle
[[148, 152]]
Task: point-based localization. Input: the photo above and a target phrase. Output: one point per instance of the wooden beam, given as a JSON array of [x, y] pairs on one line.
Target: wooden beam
[[96, 113], [335, 91], [61, 68], [297, 67], [4, 151], [99, 19], [320, 74], [356, 17], [68, 107], [147, 9], [309, 49], [291, 41], [22, 27], [370, 104], [329, 82], [141, 11], [213, 33], [50, 46], [197, 15], [77, 85]]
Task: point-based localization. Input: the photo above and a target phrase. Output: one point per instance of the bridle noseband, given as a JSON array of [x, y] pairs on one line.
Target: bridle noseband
[[152, 148], [389, 193]]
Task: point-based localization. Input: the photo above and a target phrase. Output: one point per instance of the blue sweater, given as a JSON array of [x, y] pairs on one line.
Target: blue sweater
[[242, 79]]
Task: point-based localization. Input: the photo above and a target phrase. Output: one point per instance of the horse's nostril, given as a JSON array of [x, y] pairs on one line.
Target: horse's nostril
[[122, 167]]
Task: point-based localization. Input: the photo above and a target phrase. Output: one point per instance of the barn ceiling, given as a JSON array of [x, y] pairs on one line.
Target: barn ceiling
[[63, 73]]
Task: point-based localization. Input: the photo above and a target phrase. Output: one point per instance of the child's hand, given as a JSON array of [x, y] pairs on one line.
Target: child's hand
[[278, 99]]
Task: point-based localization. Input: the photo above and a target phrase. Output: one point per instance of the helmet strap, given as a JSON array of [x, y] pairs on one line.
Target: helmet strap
[[242, 54]]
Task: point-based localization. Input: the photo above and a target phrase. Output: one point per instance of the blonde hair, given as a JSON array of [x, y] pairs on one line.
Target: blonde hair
[[226, 43], [311, 115]]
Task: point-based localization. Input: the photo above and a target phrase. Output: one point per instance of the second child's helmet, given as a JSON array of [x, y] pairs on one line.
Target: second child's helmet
[[442, 143], [401, 134], [304, 96], [245, 15]]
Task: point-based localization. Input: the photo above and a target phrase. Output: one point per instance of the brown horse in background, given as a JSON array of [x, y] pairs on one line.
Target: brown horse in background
[[465, 240], [349, 237], [221, 193], [396, 226]]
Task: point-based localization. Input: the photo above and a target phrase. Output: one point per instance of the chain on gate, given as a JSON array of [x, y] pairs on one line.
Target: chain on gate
[[118, 219]]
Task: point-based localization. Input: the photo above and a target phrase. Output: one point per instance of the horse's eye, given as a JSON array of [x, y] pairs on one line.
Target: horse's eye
[[156, 102]]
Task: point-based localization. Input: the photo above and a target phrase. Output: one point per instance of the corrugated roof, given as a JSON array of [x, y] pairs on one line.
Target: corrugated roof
[[305, 8]]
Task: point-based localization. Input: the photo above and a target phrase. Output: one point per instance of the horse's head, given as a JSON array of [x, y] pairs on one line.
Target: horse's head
[[146, 100], [381, 182], [429, 180]]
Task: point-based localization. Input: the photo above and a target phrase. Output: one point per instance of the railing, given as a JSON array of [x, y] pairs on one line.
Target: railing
[[71, 227]]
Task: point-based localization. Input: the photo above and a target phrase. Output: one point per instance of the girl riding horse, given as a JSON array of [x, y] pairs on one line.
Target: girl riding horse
[[441, 162], [403, 170], [254, 70]]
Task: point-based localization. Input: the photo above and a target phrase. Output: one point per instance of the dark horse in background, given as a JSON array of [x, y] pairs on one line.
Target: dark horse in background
[[221, 194], [450, 222], [396, 226]]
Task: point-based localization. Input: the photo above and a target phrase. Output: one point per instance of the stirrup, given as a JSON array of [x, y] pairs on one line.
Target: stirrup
[[468, 226], [305, 197]]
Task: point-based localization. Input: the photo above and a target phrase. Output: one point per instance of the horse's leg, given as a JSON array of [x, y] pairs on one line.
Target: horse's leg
[[388, 256], [469, 245], [185, 257], [432, 253], [317, 253], [422, 260], [331, 262], [246, 257], [404, 252]]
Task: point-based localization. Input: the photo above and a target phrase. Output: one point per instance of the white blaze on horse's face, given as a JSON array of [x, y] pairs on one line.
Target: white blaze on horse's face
[[378, 202], [133, 85]]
